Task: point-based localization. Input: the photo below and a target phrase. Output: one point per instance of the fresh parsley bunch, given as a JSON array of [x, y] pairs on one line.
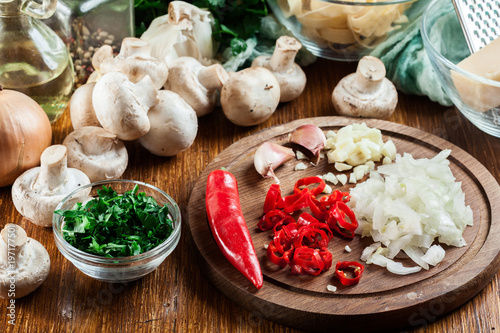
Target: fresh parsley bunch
[[113, 225], [235, 21]]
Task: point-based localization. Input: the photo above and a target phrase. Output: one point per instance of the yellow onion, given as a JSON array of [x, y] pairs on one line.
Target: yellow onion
[[25, 132]]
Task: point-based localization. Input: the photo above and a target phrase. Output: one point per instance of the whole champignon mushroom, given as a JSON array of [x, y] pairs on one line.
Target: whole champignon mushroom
[[121, 106], [250, 96], [135, 61], [81, 110], [101, 54], [281, 63], [366, 93], [24, 262], [37, 191], [195, 83], [174, 125], [96, 152]]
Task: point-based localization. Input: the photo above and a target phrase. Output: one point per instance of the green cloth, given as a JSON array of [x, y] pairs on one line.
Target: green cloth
[[407, 63]]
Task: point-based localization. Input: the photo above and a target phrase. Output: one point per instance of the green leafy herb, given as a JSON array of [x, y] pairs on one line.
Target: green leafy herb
[[235, 20], [113, 225]]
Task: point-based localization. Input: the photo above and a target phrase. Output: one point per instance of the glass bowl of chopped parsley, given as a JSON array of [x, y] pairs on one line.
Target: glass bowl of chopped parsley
[[122, 232]]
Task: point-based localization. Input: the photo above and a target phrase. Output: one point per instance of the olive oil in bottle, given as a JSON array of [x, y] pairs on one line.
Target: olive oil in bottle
[[33, 59]]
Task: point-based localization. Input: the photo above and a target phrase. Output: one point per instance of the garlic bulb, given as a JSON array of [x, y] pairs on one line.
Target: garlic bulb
[[184, 31]]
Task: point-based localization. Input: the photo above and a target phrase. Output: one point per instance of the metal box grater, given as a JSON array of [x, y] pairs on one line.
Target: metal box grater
[[480, 21]]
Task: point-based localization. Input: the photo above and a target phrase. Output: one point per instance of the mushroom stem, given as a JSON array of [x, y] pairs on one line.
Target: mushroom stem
[[369, 75], [96, 144], [102, 53], [135, 47], [12, 243], [53, 166], [283, 57], [213, 77]]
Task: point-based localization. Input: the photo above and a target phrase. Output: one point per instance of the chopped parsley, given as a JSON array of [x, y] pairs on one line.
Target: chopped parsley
[[113, 225]]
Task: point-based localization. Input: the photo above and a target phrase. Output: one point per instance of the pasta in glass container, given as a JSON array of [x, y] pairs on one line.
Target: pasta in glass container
[[341, 30]]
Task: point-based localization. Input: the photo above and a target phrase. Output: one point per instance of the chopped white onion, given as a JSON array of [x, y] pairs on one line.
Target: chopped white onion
[[407, 206]]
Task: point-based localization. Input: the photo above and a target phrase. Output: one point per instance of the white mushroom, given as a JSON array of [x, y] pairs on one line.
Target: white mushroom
[[135, 61], [24, 263], [366, 93], [81, 110], [101, 54], [250, 96], [291, 77], [196, 83], [174, 125], [121, 106], [37, 191], [96, 152]]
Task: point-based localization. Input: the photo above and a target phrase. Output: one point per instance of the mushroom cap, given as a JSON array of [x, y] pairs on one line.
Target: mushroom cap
[[250, 96], [135, 61], [81, 110], [350, 102], [36, 192], [37, 207], [174, 125], [292, 81], [33, 266], [121, 106], [183, 80], [96, 152]]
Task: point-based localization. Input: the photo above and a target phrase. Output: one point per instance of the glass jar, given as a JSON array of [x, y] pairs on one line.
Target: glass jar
[[33, 59], [87, 25]]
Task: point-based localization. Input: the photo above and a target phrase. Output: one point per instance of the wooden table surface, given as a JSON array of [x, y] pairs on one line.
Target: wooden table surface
[[178, 297]]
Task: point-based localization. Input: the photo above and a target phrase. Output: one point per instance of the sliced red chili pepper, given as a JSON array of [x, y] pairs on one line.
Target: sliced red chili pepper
[[308, 260], [323, 226], [327, 257], [355, 269], [308, 181], [270, 219], [297, 201], [305, 219], [338, 196], [311, 237], [273, 198], [337, 219], [317, 209], [276, 256]]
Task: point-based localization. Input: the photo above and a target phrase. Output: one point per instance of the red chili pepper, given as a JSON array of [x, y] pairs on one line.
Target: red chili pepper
[[273, 198], [278, 257], [308, 260], [273, 217], [337, 219], [311, 237], [317, 209], [355, 268], [297, 201], [306, 219], [308, 181], [228, 225]]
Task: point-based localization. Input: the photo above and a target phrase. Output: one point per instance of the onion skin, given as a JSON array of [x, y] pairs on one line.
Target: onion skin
[[25, 132]]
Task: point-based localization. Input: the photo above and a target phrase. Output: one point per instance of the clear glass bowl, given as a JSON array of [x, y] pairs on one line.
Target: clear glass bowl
[[477, 98], [120, 269], [340, 30]]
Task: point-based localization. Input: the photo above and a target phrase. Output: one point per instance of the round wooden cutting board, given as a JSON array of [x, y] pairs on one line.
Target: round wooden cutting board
[[381, 301]]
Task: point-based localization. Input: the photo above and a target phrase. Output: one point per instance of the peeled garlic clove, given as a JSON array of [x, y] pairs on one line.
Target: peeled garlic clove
[[310, 137], [269, 156]]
